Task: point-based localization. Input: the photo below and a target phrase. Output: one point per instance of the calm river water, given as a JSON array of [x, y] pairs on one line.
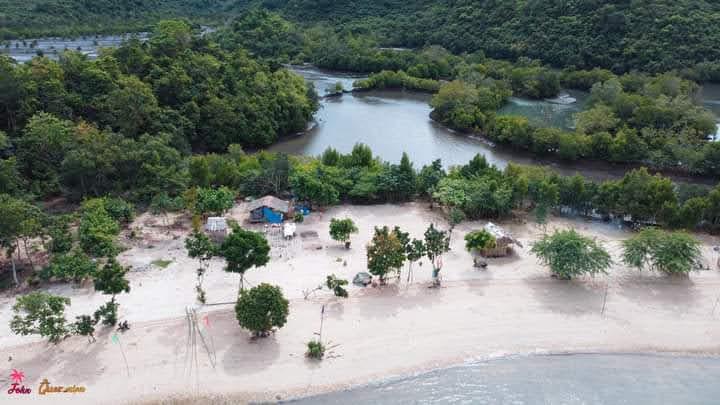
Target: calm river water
[[393, 122], [549, 380]]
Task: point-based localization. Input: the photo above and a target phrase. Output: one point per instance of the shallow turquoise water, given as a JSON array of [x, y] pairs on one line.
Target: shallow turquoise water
[[565, 379]]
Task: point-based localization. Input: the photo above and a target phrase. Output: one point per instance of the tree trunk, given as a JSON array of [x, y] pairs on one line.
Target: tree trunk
[[242, 284], [27, 253], [14, 271], [436, 273]]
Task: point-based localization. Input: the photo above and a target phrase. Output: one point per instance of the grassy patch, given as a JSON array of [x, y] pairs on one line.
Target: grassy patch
[[161, 263]]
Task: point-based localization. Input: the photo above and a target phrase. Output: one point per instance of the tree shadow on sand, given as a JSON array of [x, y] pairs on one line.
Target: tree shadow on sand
[[388, 300], [575, 297], [73, 361], [676, 294], [249, 355]]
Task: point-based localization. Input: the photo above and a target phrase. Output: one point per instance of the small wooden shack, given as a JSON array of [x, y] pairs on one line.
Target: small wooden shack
[[216, 228], [503, 241], [269, 209]]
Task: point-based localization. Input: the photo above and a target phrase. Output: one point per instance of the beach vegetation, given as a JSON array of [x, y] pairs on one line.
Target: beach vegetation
[[385, 253], [340, 230], [569, 254], [666, 252], [261, 309], [41, 314], [243, 250]]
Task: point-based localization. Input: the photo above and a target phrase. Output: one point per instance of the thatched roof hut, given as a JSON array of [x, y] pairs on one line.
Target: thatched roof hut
[[503, 241]]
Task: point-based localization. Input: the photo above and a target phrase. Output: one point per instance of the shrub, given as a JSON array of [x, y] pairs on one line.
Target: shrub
[[299, 217], [337, 286], [315, 350], [479, 240]]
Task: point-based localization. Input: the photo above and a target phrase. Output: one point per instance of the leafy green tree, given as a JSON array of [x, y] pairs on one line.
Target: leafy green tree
[[131, 107], [406, 179], [437, 243], [110, 280], [546, 196], [73, 266], [337, 285], [456, 217], [429, 177], [360, 156], [243, 250], [414, 251], [97, 230], [600, 118], [84, 325], [330, 157], [642, 195], [479, 240], [18, 220], [214, 201], [162, 204], [41, 150], [10, 180], [667, 252], [310, 187], [261, 309], [200, 247], [385, 253], [40, 314], [569, 254], [107, 313], [340, 230], [119, 209], [61, 238]]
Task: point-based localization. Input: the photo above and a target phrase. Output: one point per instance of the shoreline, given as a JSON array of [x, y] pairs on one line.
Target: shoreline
[[392, 379], [512, 308]]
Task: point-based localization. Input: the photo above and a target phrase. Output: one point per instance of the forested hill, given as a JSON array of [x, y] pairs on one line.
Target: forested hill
[[622, 35], [650, 35], [66, 17]]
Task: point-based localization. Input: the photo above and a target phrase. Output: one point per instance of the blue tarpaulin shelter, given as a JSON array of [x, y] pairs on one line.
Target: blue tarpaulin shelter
[[272, 217], [269, 209]]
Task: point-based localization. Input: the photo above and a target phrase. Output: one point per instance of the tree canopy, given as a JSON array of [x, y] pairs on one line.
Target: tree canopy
[[569, 254], [243, 250], [262, 308], [667, 252]]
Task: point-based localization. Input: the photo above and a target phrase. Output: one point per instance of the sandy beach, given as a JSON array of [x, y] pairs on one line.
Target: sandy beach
[[512, 307]]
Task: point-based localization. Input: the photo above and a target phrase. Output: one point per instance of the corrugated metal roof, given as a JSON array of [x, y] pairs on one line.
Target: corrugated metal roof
[[215, 224], [270, 201]]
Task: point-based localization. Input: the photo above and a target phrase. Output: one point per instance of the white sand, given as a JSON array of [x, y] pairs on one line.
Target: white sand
[[513, 307]]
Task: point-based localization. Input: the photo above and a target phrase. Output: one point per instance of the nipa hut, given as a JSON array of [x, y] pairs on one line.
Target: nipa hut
[[503, 240]]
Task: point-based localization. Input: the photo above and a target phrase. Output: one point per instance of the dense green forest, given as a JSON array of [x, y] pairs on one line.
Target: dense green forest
[[32, 18], [620, 35], [122, 123], [650, 35]]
